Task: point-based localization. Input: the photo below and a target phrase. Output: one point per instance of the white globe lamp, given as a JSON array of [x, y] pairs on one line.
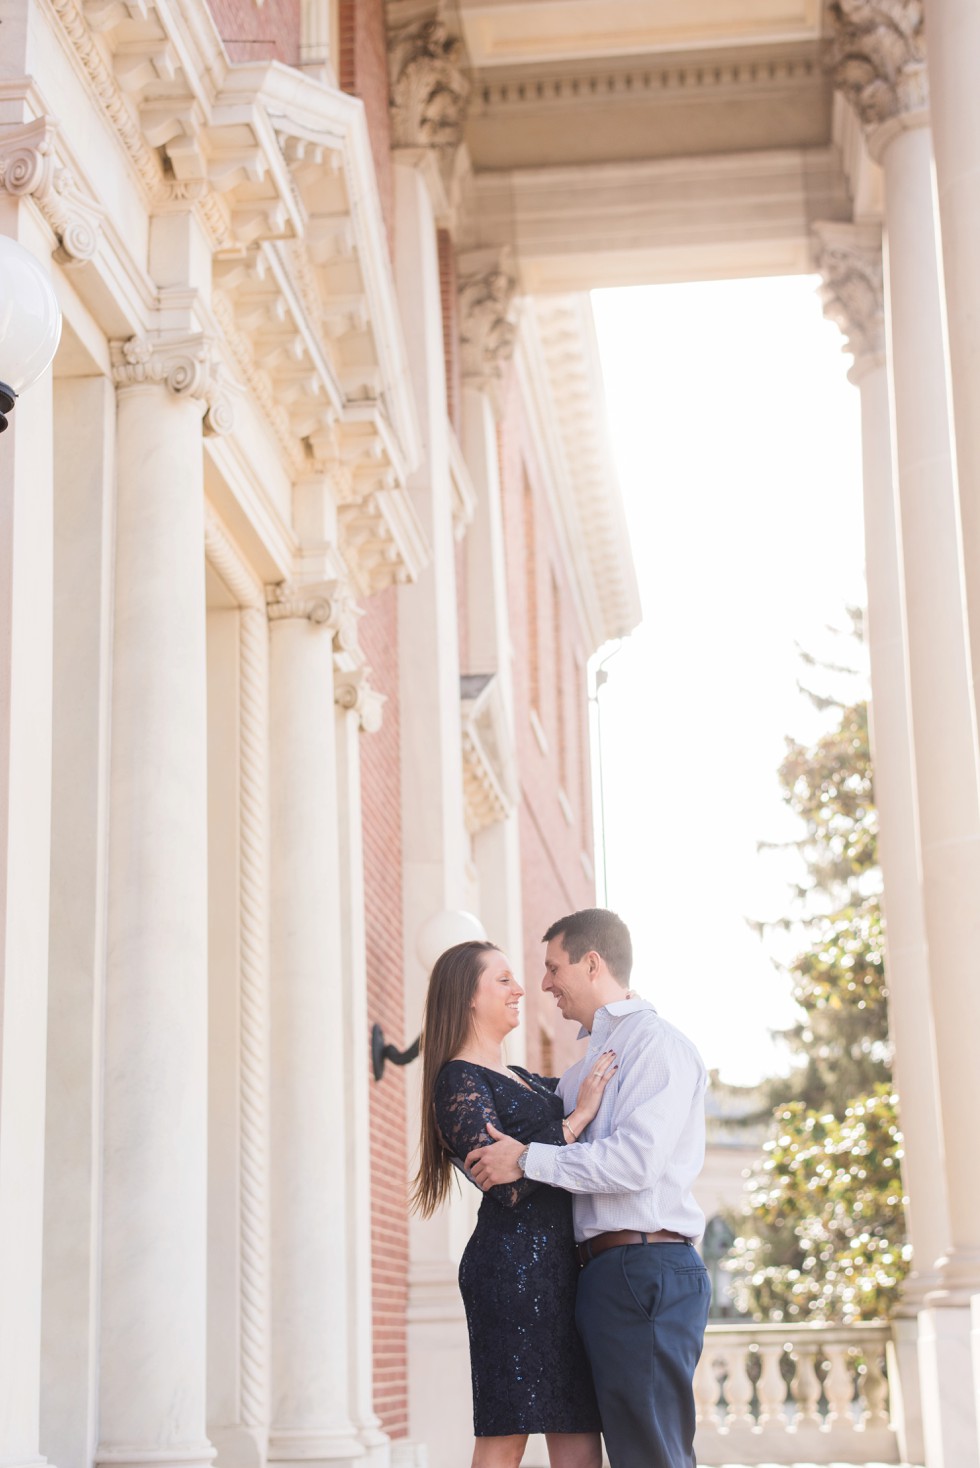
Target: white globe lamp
[[444, 930], [441, 931], [30, 322]]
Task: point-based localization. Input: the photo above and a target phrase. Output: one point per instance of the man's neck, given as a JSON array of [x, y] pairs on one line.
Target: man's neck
[[609, 994]]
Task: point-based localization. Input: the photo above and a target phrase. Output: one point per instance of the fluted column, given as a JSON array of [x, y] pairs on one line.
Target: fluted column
[[849, 258], [953, 63], [880, 65], [311, 1420], [154, 1228]]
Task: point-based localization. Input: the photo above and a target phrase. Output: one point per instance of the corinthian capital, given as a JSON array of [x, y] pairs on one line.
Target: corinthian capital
[[878, 60], [186, 365], [429, 87], [29, 166], [848, 257], [487, 315]]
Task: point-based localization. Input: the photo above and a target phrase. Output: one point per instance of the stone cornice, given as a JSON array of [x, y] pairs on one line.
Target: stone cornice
[[430, 88], [489, 772], [488, 301], [30, 166], [186, 365], [848, 257], [878, 60]]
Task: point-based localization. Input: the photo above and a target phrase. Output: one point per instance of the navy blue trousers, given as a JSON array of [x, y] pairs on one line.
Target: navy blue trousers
[[641, 1312]]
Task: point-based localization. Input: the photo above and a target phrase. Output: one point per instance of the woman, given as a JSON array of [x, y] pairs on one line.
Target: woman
[[518, 1272]]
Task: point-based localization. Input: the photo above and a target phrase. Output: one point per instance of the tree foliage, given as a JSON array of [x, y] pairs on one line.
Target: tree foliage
[[823, 1236]]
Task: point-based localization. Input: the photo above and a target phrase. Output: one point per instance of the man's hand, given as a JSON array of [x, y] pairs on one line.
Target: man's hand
[[496, 1163]]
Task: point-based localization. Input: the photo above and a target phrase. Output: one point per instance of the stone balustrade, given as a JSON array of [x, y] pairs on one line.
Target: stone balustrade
[[794, 1393]]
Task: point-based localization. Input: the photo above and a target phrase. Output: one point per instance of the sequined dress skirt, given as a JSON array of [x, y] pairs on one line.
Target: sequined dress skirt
[[518, 1277]]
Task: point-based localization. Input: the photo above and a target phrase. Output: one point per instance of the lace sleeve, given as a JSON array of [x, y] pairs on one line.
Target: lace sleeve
[[464, 1107]]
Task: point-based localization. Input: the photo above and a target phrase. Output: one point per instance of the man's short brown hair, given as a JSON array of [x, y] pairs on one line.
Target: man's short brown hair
[[596, 930]]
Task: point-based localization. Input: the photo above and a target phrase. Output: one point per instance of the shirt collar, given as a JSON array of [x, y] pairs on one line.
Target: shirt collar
[[616, 1010]]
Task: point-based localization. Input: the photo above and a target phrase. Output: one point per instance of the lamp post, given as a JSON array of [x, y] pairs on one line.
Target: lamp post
[[441, 931], [30, 323]]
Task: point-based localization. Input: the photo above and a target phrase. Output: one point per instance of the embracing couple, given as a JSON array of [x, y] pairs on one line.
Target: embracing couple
[[585, 1299]]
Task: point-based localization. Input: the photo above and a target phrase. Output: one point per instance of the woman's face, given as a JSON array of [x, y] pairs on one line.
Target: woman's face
[[496, 1000]]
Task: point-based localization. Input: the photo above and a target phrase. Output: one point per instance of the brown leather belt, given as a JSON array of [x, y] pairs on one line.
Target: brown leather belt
[[617, 1238]]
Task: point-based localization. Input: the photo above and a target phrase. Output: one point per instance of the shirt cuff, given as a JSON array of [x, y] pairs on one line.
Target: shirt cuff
[[542, 1163]]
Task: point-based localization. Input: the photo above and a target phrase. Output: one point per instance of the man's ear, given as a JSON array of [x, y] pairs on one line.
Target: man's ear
[[594, 962]]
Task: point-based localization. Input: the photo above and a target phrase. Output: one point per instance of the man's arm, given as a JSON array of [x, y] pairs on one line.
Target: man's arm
[[652, 1107]]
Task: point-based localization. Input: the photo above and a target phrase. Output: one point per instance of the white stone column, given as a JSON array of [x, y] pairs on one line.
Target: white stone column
[[850, 260], [311, 1421], [487, 287], [358, 708], [84, 499], [880, 63], [154, 1224], [953, 62], [434, 834], [25, 815]]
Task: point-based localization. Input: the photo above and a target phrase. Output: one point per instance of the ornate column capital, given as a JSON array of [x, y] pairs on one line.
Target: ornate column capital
[[430, 89], [848, 257], [186, 365], [487, 284], [878, 60], [327, 604], [30, 168], [353, 691]]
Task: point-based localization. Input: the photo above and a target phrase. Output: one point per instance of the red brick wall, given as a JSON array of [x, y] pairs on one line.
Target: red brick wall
[[250, 32], [543, 611], [381, 797], [362, 70]]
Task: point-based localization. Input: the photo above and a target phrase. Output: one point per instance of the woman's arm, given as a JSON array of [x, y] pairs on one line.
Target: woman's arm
[[464, 1108]]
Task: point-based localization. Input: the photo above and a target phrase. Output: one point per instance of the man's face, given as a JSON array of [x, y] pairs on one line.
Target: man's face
[[569, 983]]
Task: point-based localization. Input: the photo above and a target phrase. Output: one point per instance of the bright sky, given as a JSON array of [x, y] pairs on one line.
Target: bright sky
[[737, 441]]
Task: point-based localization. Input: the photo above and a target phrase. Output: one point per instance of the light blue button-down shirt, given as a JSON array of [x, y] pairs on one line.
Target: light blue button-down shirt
[[636, 1162]]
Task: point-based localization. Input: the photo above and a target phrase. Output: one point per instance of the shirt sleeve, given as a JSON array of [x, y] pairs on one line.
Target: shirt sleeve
[[464, 1106], [656, 1093]]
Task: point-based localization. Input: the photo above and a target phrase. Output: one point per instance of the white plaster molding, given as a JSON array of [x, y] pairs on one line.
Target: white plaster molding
[[185, 364], [382, 540], [558, 364], [488, 309], [462, 488], [254, 1238], [430, 89], [352, 690], [878, 60], [489, 770], [319, 602], [31, 166], [848, 257]]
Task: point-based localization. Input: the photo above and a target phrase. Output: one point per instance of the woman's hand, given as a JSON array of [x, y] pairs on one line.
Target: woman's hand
[[591, 1090]]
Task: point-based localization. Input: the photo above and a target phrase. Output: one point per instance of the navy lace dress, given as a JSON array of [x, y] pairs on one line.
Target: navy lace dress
[[518, 1272]]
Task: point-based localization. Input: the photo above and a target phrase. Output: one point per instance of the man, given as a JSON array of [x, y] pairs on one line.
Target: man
[[643, 1292]]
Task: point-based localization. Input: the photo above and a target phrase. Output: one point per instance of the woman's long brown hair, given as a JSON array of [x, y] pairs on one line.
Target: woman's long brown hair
[[445, 1029]]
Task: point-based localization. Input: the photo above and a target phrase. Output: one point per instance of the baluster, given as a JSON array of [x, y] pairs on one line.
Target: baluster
[[839, 1385], [707, 1393], [738, 1387], [772, 1387], [806, 1387], [873, 1387]]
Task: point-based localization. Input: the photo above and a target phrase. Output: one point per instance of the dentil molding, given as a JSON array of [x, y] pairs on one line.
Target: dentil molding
[[430, 90], [186, 365], [848, 257], [31, 168], [878, 60]]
